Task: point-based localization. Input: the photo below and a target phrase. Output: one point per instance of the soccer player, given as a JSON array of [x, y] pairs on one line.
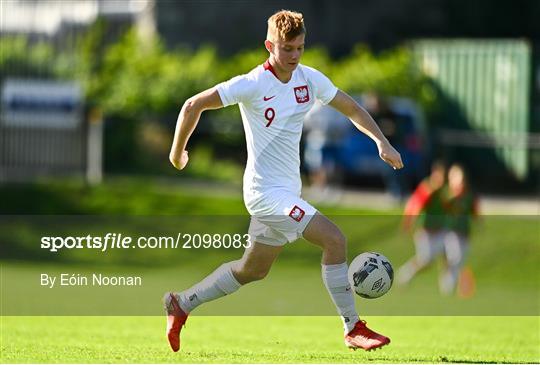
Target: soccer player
[[462, 207], [274, 98], [425, 210]]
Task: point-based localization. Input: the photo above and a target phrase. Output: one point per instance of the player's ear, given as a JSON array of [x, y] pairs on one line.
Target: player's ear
[[269, 46]]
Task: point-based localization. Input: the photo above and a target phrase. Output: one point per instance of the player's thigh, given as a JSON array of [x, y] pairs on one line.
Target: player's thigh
[[455, 246], [322, 232], [260, 256], [429, 245], [422, 244]]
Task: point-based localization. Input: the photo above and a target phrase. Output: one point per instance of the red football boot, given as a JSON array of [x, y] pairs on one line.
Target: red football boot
[[364, 338], [176, 318]]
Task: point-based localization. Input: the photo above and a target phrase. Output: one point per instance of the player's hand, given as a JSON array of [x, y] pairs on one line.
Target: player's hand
[[389, 155], [179, 162]]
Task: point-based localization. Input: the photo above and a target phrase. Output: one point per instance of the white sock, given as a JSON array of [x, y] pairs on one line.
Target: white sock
[[336, 281], [216, 285]]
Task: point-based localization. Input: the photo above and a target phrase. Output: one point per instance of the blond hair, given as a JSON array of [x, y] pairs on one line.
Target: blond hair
[[285, 25]]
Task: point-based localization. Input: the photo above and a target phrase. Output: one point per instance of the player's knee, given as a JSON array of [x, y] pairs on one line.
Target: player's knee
[[422, 261], [189, 105], [337, 241]]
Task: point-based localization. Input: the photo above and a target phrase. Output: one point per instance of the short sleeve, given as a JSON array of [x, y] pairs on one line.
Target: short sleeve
[[234, 91], [325, 90]]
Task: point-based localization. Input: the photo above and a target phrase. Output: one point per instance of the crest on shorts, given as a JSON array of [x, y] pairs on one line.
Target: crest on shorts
[[297, 213], [301, 94]]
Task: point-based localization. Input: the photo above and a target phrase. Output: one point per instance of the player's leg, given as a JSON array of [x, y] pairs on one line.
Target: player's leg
[[325, 234], [254, 265], [424, 255], [455, 248], [228, 278], [256, 262]]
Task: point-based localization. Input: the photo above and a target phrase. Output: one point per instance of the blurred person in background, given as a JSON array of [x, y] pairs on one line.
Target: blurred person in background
[[461, 206], [425, 215], [274, 98]]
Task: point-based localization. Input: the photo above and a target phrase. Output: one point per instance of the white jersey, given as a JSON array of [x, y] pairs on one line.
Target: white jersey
[[272, 114]]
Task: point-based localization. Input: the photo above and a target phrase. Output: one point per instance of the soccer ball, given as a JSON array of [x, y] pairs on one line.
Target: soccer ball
[[371, 275]]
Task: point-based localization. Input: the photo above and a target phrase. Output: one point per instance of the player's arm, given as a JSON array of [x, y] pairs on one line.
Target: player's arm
[[187, 121], [415, 205], [363, 121]]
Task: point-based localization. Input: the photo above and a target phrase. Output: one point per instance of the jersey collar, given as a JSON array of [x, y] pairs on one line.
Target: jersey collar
[[268, 67]]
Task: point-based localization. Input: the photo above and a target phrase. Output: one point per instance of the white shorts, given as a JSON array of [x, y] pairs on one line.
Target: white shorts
[[286, 223], [429, 245]]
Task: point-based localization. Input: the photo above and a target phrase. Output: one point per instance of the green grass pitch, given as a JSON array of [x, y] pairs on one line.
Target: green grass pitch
[[504, 256], [267, 340]]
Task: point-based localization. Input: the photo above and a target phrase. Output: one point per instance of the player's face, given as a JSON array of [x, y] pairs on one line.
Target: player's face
[[438, 177], [456, 179], [287, 54]]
